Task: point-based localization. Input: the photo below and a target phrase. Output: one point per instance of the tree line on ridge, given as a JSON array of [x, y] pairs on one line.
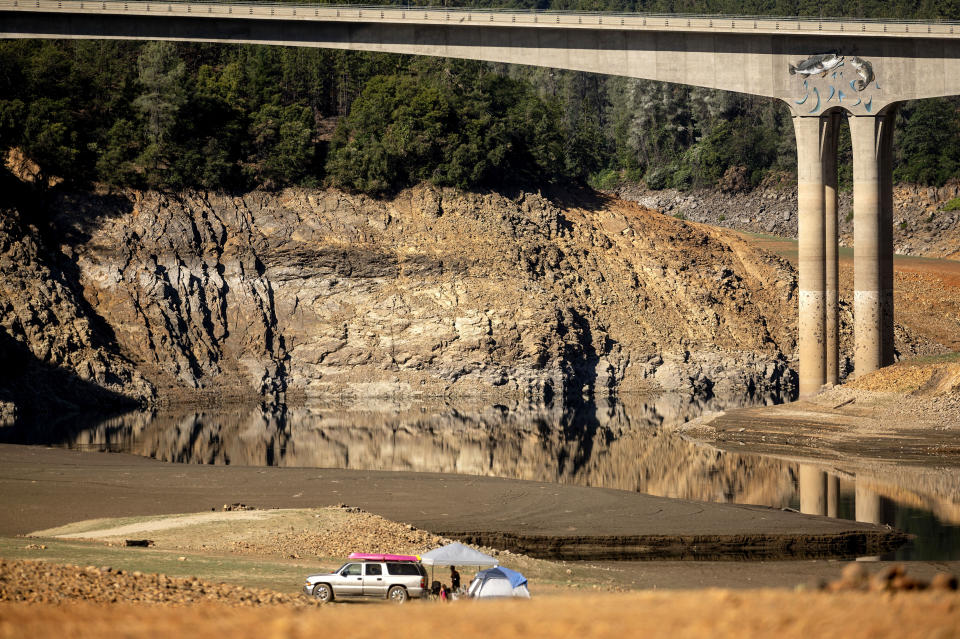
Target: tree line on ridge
[[189, 115]]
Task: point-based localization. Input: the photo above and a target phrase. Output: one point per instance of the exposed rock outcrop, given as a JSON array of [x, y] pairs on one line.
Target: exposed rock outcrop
[[200, 296], [55, 348]]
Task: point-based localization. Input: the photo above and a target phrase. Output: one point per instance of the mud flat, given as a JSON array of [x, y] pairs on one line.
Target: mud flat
[[44, 488]]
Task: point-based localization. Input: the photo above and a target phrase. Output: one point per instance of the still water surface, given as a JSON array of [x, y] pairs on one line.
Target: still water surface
[[612, 444]]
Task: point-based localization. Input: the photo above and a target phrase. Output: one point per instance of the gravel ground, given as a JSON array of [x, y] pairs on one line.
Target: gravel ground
[[41, 582], [109, 603], [339, 536]]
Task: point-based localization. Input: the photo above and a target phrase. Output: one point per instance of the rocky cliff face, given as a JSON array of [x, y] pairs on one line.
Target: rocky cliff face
[[55, 349], [198, 296], [320, 293]]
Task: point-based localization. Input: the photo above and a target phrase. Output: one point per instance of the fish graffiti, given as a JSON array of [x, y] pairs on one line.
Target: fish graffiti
[[820, 63], [815, 70], [864, 72]]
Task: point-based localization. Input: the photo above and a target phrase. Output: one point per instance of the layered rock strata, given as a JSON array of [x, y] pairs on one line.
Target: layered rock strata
[[210, 297], [436, 292]]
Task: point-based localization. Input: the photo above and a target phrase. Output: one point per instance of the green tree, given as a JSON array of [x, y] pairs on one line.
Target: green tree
[[282, 142], [162, 75], [461, 128], [117, 163], [50, 138], [929, 142]]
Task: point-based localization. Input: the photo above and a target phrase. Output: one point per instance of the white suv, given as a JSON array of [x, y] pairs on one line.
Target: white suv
[[394, 580]]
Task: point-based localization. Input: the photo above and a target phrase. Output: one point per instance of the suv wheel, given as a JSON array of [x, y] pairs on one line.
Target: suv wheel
[[397, 594], [323, 592]]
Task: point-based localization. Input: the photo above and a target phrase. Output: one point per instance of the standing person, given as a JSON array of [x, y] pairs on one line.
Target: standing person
[[443, 593], [454, 579]]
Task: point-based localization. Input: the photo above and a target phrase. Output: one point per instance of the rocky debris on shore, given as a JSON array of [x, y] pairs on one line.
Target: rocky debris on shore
[[670, 614], [362, 532], [365, 532], [910, 395], [42, 582], [889, 579], [915, 377], [332, 532], [235, 507]]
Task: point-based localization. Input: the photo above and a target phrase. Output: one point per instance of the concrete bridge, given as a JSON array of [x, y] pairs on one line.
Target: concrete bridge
[[822, 69]]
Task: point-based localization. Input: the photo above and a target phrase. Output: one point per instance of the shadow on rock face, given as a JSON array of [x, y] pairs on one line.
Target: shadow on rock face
[[22, 373]]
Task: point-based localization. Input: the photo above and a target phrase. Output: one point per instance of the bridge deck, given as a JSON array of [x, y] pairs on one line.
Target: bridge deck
[[479, 17]]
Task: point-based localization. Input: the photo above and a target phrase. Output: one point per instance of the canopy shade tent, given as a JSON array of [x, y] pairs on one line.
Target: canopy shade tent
[[456, 554]]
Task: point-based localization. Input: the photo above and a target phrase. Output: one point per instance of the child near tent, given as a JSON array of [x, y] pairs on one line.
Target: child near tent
[[443, 593]]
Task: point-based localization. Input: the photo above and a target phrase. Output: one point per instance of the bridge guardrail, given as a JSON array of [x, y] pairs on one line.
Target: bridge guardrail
[[499, 17]]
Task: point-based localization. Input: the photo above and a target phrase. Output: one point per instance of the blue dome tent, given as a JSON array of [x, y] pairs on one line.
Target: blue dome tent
[[498, 582]]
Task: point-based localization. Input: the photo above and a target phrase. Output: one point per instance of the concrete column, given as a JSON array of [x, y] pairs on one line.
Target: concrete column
[[811, 233], [872, 138], [813, 490], [832, 329], [886, 232], [833, 496]]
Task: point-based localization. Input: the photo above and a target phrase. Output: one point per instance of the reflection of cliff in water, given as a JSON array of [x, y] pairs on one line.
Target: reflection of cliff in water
[[614, 444]]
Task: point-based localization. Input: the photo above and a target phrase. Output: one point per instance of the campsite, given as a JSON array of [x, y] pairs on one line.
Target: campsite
[[493, 581]]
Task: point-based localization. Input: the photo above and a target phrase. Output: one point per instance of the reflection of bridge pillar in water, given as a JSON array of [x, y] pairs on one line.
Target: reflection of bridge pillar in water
[[813, 490], [867, 505], [868, 511], [833, 495]]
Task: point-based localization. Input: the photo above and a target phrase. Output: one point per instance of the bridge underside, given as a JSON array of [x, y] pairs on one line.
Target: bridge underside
[[754, 63]]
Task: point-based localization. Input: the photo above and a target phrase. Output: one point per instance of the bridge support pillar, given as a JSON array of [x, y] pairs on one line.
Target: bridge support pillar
[[832, 330], [872, 140], [816, 185]]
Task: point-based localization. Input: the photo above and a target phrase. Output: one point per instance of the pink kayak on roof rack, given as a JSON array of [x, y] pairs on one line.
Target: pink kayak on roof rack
[[368, 556]]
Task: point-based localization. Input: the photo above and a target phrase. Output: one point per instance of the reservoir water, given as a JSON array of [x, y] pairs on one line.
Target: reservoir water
[[624, 444]]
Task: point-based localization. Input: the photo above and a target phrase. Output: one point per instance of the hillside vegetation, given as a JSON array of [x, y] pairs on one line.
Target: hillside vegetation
[[162, 115]]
